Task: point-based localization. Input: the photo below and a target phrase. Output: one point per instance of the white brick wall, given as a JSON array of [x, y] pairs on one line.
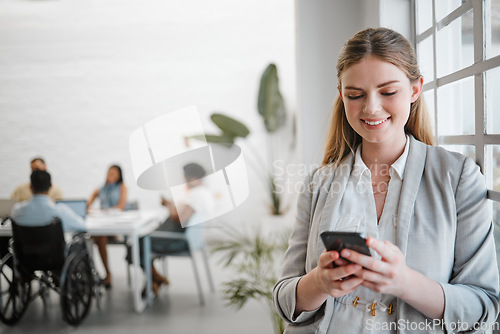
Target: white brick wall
[[77, 77]]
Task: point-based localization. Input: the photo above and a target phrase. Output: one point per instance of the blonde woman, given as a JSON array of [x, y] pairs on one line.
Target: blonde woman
[[423, 210]]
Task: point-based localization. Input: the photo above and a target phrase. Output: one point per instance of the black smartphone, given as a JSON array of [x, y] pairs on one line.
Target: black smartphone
[[337, 241]]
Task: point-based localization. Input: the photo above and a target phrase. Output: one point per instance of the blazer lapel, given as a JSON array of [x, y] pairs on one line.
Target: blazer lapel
[[328, 207], [413, 175]]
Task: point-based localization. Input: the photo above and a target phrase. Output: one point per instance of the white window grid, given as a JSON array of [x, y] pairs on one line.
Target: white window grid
[[482, 112]]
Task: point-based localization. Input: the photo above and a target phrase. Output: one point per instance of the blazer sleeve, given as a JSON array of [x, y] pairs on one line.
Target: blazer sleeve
[[472, 293], [293, 268]]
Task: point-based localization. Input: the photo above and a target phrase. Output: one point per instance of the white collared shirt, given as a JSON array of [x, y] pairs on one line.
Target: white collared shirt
[[358, 213]]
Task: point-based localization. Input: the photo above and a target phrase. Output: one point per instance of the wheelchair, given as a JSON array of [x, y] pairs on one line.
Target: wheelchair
[[39, 260]]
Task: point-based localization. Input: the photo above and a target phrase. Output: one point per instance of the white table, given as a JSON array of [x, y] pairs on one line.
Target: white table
[[133, 224]]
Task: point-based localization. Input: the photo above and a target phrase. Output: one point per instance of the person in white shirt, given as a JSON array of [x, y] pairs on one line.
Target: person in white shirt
[[196, 204]]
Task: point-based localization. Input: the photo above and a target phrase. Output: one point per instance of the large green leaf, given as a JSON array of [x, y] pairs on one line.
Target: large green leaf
[[215, 139], [270, 102], [229, 126]]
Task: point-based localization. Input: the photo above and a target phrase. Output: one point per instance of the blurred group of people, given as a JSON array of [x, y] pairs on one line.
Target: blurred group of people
[[38, 206]]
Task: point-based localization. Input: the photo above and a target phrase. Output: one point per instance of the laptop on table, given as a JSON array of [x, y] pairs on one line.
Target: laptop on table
[[6, 206], [79, 206]]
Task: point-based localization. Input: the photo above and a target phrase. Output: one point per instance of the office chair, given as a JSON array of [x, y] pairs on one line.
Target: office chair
[[185, 244]]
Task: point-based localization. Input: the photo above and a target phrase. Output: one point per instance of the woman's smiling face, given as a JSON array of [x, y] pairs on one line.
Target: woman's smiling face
[[377, 97]]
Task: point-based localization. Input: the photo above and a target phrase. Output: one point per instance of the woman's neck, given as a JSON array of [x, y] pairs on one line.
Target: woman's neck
[[379, 157]]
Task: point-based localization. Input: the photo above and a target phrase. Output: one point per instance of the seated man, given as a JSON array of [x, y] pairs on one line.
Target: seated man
[[40, 209], [23, 191]]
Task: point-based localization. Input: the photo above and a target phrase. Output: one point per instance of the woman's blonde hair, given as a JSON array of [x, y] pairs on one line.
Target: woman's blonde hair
[[388, 46]]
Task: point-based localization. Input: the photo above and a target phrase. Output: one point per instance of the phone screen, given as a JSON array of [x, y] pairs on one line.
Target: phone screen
[[337, 241]]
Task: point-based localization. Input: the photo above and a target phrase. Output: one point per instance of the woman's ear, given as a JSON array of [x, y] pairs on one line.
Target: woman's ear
[[416, 88], [340, 92]]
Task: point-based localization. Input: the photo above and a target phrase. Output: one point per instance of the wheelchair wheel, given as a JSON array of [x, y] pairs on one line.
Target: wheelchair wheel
[[15, 293], [77, 289]]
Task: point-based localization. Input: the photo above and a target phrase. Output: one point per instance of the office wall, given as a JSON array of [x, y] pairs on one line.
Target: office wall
[[322, 28], [77, 77]]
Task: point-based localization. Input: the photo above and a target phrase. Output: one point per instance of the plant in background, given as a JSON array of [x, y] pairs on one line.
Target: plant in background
[[255, 259], [271, 108]]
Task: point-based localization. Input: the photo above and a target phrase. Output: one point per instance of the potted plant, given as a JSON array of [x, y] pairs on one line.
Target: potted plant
[[271, 108], [255, 259]]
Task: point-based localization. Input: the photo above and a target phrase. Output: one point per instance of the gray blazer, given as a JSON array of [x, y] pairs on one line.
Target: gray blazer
[[444, 229]]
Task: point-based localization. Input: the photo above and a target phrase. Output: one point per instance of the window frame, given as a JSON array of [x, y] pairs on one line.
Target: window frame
[[481, 23]]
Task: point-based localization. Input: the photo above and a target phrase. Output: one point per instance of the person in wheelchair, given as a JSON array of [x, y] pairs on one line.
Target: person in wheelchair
[[40, 209], [39, 252]]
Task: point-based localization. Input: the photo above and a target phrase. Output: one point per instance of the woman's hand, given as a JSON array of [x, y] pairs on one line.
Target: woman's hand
[[326, 280], [339, 280], [389, 275]]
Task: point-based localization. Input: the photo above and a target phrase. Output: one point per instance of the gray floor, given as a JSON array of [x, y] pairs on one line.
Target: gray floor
[[176, 310]]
